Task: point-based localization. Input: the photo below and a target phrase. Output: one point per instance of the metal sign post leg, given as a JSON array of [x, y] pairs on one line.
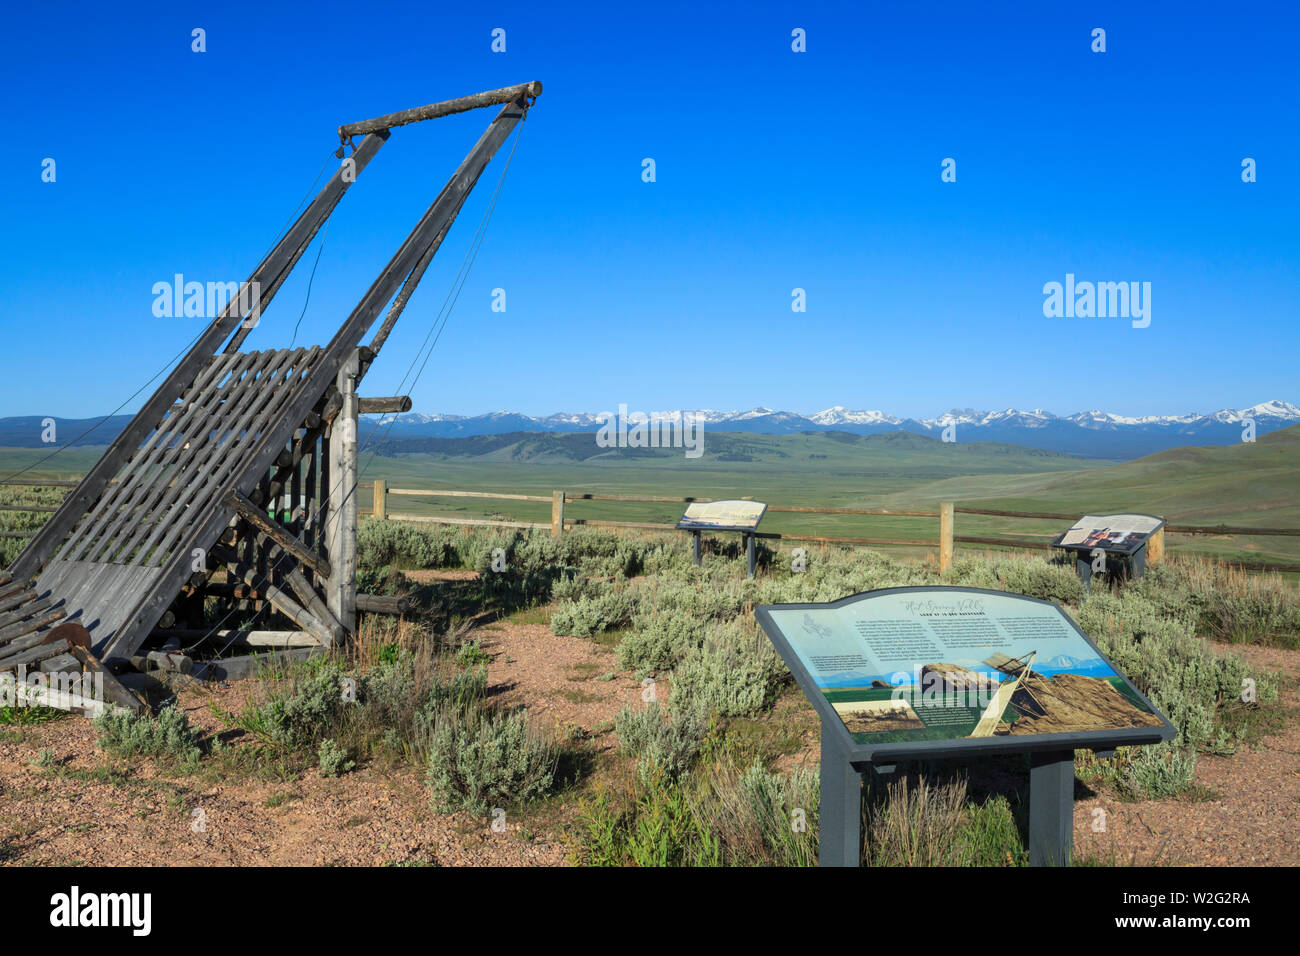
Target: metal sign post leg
[[840, 818], [1083, 565], [699, 548], [749, 553], [1051, 807]]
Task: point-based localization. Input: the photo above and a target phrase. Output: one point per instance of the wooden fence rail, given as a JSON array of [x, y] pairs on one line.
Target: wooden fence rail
[[945, 542]]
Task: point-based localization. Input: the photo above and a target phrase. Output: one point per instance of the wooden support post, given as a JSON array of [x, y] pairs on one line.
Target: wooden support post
[[341, 526], [1156, 547], [381, 499], [557, 513], [945, 536]]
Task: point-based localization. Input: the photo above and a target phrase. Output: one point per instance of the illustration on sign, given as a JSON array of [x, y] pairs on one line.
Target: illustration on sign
[[722, 515], [1125, 533], [916, 664]]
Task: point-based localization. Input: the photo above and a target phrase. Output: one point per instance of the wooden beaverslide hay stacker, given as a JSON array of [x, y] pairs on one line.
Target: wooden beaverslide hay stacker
[[234, 488]]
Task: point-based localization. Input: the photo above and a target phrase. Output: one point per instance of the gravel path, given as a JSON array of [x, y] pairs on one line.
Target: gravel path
[[1248, 813]]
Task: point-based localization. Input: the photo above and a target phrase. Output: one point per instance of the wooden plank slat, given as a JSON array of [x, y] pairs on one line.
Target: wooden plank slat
[[153, 467]]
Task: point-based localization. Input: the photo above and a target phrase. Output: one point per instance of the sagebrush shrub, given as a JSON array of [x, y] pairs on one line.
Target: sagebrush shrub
[[332, 759], [1158, 770], [167, 736], [665, 749], [735, 672], [480, 756]]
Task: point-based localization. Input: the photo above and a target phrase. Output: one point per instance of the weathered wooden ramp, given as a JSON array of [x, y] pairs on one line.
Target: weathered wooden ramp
[[242, 464]]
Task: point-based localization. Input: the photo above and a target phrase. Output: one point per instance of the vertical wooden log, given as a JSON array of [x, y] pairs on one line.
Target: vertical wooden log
[[557, 513], [381, 499], [1156, 547], [341, 526], [945, 536]]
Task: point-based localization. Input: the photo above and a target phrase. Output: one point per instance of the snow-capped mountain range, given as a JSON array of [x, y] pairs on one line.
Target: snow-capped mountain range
[[1093, 433]]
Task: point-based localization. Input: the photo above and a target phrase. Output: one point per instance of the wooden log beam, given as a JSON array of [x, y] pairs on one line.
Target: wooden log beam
[[287, 606], [15, 633], [17, 600], [382, 406], [33, 655], [113, 689], [227, 636], [434, 110], [382, 603], [258, 519]]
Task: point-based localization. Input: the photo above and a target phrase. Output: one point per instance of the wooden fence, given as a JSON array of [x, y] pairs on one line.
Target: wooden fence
[[945, 541]]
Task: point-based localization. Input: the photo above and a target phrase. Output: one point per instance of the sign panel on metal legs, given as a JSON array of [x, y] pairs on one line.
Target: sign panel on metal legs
[[930, 672]]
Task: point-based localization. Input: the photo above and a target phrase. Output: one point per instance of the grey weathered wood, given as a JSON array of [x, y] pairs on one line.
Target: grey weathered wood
[[15, 634], [382, 603], [31, 655], [112, 688], [254, 409], [153, 466], [210, 516], [287, 605], [341, 522], [444, 108], [258, 519], [280, 259], [24, 612], [16, 600], [388, 405], [228, 636], [315, 605]]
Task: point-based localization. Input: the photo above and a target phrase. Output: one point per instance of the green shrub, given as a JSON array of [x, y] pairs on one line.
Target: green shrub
[[916, 824], [657, 640], [774, 818], [594, 614], [333, 759], [664, 748], [312, 710], [1159, 770], [1165, 660], [660, 827], [167, 736], [734, 673], [480, 756]]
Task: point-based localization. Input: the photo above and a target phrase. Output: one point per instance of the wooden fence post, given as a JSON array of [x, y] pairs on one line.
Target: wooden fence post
[[380, 509], [1156, 547], [945, 536], [557, 513]]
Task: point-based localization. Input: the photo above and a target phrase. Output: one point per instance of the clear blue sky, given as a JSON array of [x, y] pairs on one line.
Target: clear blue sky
[[775, 170]]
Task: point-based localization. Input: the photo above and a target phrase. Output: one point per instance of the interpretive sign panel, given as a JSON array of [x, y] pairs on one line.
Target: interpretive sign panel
[[722, 516], [1117, 534], [931, 671]]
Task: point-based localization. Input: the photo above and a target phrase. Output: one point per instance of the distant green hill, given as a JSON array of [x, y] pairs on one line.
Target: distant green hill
[[1250, 485], [895, 453]]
